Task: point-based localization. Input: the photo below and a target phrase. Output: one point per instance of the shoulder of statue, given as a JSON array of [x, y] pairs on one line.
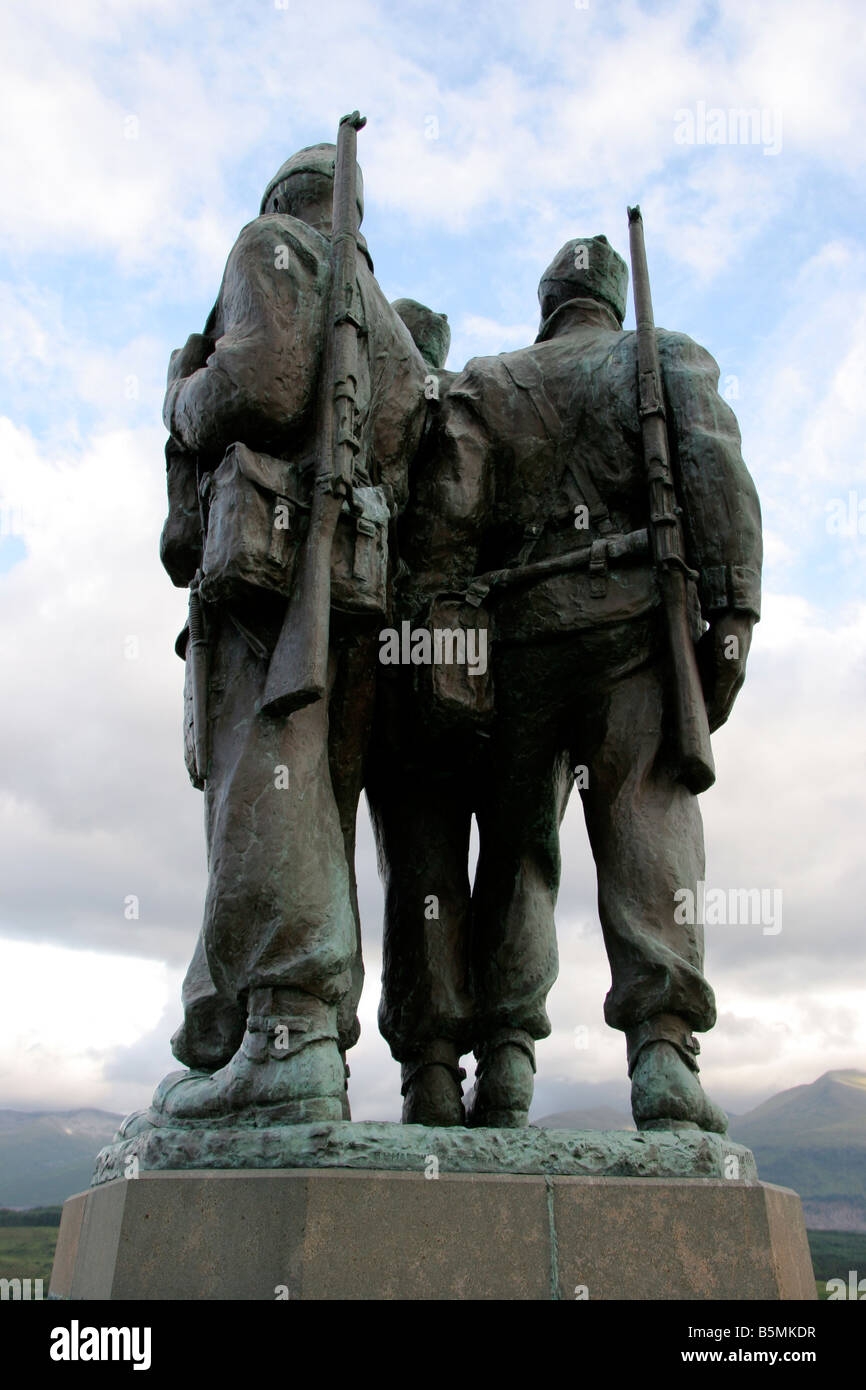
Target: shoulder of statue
[[681, 349], [273, 230], [482, 375], [469, 389]]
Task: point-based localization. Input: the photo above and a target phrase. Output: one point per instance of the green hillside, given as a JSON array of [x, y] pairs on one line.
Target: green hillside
[[45, 1158], [813, 1139], [27, 1252]]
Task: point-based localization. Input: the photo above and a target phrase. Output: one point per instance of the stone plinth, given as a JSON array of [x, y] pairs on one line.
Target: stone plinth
[[337, 1233]]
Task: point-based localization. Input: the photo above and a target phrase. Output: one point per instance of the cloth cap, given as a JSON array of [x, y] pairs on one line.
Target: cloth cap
[[588, 266]]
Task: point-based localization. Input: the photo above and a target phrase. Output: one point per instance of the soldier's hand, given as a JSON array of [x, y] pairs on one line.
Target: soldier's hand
[[194, 354], [722, 653]]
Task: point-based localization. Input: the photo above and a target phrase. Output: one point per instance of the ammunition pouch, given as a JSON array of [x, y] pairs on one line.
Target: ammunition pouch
[[258, 515], [455, 686]]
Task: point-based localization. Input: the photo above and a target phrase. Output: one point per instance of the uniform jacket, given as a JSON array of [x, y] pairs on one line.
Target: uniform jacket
[[526, 438], [259, 383]]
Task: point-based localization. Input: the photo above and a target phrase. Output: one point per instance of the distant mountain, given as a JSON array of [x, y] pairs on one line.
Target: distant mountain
[[47, 1156], [601, 1117], [813, 1138]]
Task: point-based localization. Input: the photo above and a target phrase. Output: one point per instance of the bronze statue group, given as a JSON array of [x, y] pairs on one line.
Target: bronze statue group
[[584, 504]]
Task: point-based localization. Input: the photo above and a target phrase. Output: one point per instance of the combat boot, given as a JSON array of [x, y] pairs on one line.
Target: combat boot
[[432, 1086], [665, 1091], [287, 1070], [502, 1094]]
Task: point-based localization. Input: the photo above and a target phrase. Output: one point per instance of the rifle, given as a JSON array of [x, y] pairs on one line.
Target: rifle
[[298, 671], [694, 750]]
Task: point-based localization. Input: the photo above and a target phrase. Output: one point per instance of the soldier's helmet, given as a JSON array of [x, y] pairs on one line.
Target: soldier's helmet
[[315, 159], [584, 266]]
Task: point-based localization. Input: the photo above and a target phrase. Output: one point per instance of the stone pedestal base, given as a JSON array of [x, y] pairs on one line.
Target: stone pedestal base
[[353, 1234]]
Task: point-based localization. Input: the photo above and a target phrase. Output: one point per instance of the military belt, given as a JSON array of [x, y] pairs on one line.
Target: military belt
[[628, 547]]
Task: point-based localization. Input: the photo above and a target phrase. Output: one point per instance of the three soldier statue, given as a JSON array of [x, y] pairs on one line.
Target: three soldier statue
[[354, 522]]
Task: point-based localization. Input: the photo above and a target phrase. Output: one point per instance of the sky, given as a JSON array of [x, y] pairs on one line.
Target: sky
[[136, 138]]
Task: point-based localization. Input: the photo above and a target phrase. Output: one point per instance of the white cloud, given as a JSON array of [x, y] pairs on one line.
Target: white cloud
[[550, 119], [89, 1005], [553, 124], [477, 336], [96, 806]]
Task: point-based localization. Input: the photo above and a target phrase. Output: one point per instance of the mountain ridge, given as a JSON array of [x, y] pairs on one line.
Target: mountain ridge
[[810, 1137]]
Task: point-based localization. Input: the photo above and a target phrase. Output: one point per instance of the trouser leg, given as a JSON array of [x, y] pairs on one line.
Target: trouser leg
[[279, 904], [280, 935], [417, 788], [350, 716], [213, 1025], [647, 840], [214, 1022], [514, 960]]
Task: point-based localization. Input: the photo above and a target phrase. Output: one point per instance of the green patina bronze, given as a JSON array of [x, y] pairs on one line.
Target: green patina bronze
[[579, 509], [410, 1148]]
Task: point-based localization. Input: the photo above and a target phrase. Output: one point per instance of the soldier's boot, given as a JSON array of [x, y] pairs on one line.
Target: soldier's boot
[[287, 1070], [432, 1086], [665, 1090], [502, 1094]]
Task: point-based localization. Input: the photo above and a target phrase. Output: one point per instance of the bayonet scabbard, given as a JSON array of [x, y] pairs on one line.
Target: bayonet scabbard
[[197, 655]]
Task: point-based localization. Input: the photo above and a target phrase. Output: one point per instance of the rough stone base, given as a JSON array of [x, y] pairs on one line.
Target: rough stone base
[[355, 1234], [395, 1148]]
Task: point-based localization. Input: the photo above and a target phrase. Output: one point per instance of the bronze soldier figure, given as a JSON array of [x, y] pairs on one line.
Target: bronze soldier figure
[[532, 504], [271, 995]]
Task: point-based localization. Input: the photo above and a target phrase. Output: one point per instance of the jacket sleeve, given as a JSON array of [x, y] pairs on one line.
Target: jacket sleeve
[[395, 414], [261, 377], [452, 489], [721, 511], [180, 546]]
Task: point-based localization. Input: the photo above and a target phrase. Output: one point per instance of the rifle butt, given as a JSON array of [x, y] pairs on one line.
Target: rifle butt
[[696, 768], [298, 671]]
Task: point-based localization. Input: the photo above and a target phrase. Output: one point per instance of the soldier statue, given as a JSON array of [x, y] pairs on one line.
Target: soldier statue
[[532, 507], [302, 360], [580, 508]]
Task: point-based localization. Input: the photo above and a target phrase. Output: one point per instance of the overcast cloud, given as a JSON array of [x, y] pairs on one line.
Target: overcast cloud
[[136, 140]]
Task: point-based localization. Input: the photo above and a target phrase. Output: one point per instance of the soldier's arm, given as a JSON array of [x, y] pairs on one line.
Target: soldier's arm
[[260, 378], [398, 406], [180, 545], [452, 488], [721, 514]]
